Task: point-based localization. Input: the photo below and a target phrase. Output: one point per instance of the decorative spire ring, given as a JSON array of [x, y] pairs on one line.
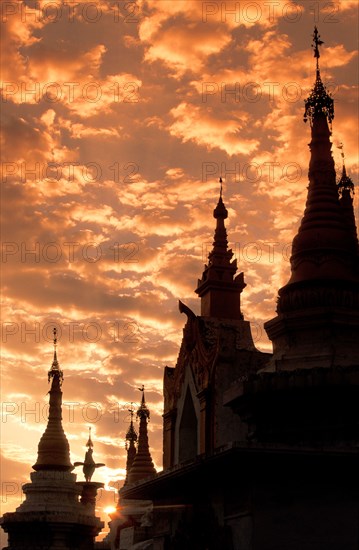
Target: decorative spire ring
[[319, 100], [143, 410], [55, 367]]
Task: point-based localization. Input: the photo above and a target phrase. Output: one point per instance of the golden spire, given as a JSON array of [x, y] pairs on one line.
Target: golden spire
[[131, 438], [325, 246], [142, 465], [319, 100], [53, 448], [220, 287]]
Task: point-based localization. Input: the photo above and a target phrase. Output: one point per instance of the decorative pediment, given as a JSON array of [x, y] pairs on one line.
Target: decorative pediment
[[198, 351]]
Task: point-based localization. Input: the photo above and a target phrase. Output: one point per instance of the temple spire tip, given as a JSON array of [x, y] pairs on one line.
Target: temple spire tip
[[89, 443], [89, 465], [345, 182], [55, 367], [319, 101], [316, 43], [143, 409]]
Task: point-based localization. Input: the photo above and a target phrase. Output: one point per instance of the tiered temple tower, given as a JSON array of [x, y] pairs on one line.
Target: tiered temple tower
[[131, 440], [52, 517], [318, 309], [217, 348], [220, 288], [142, 464]]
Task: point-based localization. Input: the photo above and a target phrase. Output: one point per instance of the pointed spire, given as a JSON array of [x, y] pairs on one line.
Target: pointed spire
[[142, 465], [89, 443], [53, 448], [55, 367], [323, 247], [319, 101], [345, 183], [323, 289], [131, 438], [219, 288], [89, 465], [346, 198]]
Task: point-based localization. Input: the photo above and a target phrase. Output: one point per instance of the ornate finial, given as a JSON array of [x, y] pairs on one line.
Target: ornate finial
[[316, 43], [89, 443], [220, 211], [319, 101], [55, 367], [341, 147], [89, 465], [143, 409], [345, 183]]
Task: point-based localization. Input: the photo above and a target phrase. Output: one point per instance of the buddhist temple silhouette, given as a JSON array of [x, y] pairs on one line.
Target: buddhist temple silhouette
[[58, 513], [260, 450]]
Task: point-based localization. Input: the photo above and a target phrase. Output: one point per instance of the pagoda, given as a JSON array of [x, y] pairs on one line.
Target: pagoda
[[52, 517]]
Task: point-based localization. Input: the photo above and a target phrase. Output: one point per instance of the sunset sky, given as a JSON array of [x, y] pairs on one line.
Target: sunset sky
[[117, 120]]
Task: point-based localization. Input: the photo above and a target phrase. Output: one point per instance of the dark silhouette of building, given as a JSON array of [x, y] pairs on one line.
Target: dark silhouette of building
[[132, 521], [260, 451], [53, 517]]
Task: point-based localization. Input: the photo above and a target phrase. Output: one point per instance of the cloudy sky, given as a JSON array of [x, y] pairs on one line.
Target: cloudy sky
[[118, 119]]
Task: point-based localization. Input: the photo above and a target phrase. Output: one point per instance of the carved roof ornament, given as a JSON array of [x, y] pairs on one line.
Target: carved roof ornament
[[345, 182], [319, 100], [89, 465]]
